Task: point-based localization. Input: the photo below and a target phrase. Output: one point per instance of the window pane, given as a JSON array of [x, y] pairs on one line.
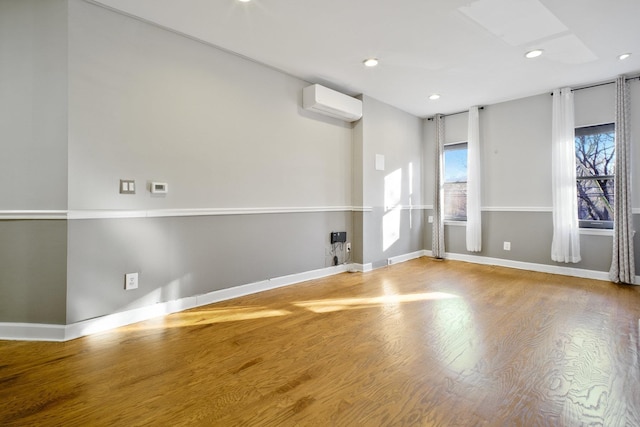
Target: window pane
[[455, 201], [595, 150], [595, 199], [455, 163], [455, 178]]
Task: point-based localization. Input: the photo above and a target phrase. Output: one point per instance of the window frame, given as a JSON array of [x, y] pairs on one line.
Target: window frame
[[449, 147], [593, 224]]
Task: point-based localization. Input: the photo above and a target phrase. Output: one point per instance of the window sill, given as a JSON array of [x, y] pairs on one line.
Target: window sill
[[597, 231], [456, 223]]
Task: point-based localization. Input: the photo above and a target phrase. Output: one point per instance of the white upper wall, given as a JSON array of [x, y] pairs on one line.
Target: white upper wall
[[33, 105], [397, 136], [222, 131], [595, 106], [516, 153], [516, 144]]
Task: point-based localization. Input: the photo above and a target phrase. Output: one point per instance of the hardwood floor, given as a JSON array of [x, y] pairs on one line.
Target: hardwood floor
[[423, 343]]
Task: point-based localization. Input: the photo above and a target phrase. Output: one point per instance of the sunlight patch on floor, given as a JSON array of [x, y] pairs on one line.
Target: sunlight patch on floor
[[207, 317], [337, 304]]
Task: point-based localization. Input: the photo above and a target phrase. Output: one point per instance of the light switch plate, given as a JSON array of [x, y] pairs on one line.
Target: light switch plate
[[127, 186]]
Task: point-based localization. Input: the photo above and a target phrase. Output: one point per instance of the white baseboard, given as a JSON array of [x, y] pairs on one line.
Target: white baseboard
[[363, 268], [45, 332], [123, 318], [405, 257], [265, 285], [521, 265]]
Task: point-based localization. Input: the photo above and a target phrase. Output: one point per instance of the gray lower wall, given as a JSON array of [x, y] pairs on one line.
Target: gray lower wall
[[33, 271], [357, 220], [530, 234], [178, 257], [392, 233]]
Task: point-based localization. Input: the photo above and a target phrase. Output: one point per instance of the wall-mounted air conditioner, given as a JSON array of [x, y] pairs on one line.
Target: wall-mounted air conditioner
[[326, 101]]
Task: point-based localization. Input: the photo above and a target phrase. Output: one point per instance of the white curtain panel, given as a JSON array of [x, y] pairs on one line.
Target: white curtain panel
[[565, 246], [622, 262], [474, 215], [437, 244]]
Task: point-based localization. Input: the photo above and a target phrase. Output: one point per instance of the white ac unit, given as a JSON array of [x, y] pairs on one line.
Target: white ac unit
[[326, 101]]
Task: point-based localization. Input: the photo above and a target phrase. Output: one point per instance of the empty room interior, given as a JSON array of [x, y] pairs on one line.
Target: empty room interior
[[340, 213]]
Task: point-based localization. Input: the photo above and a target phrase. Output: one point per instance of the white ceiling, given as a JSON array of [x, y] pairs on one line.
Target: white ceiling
[[469, 52]]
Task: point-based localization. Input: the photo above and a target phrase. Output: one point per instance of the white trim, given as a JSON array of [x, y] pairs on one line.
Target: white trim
[[44, 332], [33, 214], [520, 265], [635, 211], [362, 208], [597, 231], [405, 207], [455, 223], [106, 214], [405, 257], [516, 209], [511, 208], [165, 213], [123, 318], [363, 268], [265, 285]]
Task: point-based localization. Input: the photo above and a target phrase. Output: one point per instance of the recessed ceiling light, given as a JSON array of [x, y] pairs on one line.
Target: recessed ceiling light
[[244, 1], [371, 62], [624, 56], [533, 53], [434, 97]]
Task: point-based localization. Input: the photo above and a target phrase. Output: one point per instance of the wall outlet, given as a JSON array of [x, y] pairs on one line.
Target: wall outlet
[[506, 246], [130, 281], [348, 246]]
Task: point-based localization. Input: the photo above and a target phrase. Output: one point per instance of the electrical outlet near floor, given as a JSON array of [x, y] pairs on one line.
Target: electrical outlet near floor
[[347, 246], [506, 246], [130, 281]]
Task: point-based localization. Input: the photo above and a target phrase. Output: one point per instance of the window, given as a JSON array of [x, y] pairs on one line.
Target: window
[[595, 161], [455, 182]]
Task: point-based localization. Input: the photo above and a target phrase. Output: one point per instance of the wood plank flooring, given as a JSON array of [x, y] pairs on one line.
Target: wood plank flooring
[[422, 343]]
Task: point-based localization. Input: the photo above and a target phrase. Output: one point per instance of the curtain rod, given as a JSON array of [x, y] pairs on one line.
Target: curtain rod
[[453, 114], [600, 84]]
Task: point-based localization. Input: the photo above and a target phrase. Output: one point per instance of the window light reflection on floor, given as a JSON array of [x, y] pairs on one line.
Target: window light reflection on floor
[[337, 304], [207, 317]]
